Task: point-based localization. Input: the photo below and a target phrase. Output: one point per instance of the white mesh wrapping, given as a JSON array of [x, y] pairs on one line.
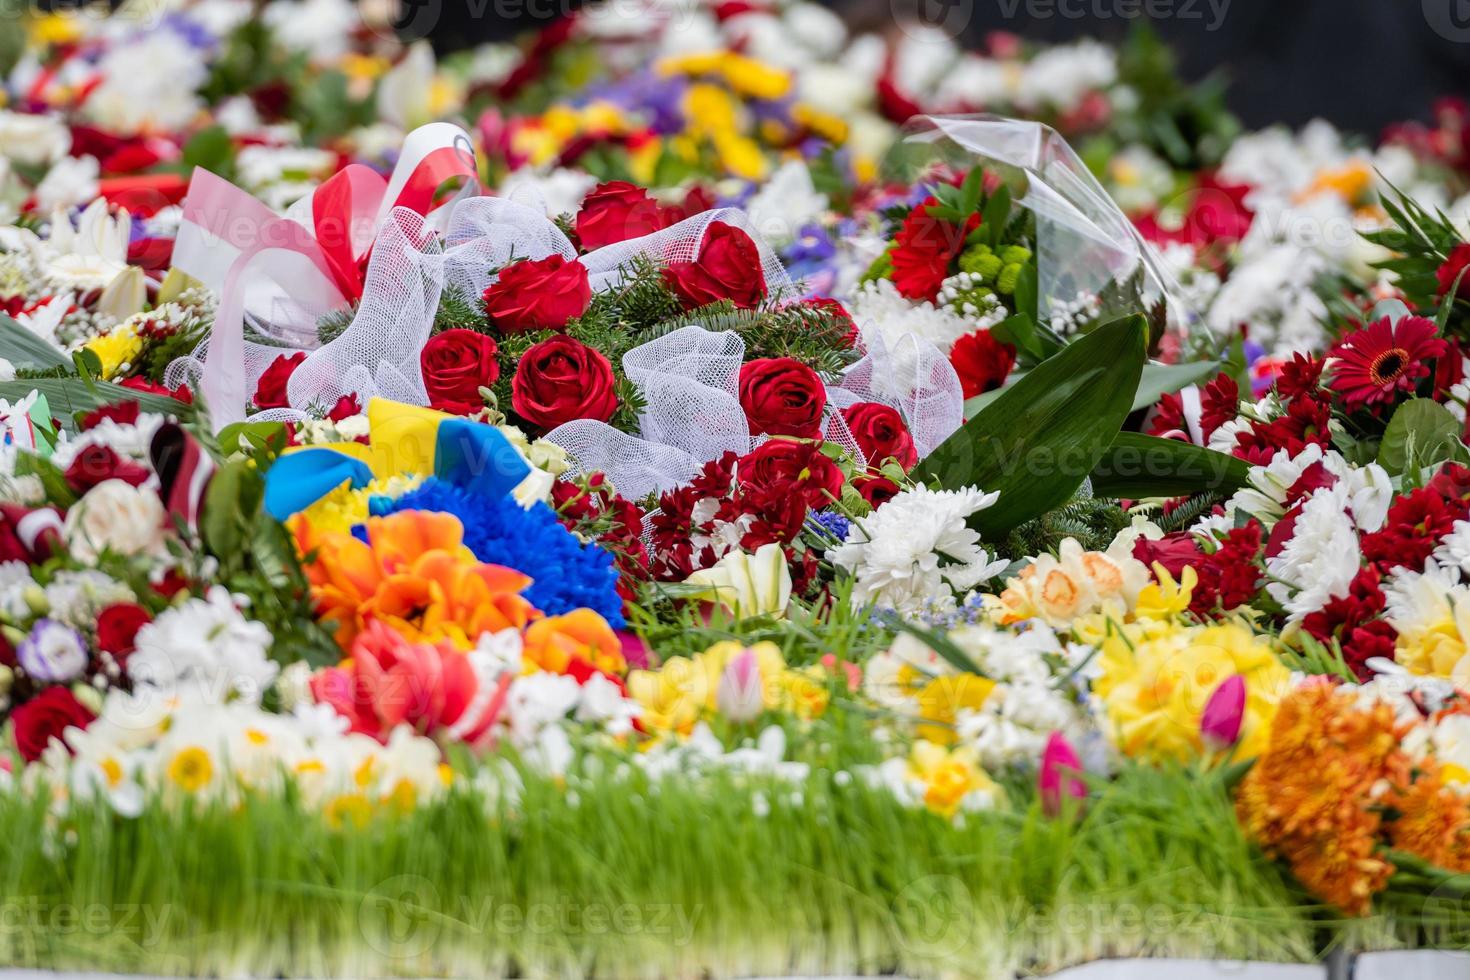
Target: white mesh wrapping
[[681, 243], [485, 233], [915, 378]]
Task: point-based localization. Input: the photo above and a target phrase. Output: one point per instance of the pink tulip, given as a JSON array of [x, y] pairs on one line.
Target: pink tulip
[[740, 696], [1057, 780], [1219, 725], [635, 651]]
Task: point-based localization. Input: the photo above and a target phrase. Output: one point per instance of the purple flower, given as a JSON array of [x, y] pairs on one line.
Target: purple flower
[[53, 652]]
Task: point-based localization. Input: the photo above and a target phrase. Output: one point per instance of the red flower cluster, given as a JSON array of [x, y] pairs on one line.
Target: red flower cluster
[[924, 249], [594, 507], [1418, 520], [1229, 576], [745, 502], [1355, 622]]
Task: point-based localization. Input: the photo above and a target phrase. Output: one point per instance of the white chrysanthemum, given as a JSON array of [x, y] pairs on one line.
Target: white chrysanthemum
[[877, 306], [207, 645], [149, 83], [76, 598], [128, 441], [915, 552], [1322, 557], [1454, 550]]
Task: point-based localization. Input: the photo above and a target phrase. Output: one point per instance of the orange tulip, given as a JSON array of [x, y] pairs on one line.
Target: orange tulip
[[553, 642]]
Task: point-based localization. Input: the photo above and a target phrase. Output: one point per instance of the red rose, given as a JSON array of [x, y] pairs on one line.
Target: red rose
[[839, 316], [793, 467], [538, 295], [561, 379], [45, 717], [982, 362], [346, 406], [96, 463], [880, 432], [876, 490], [117, 629], [456, 363], [728, 267], [782, 397], [270, 390], [615, 212], [1454, 265]]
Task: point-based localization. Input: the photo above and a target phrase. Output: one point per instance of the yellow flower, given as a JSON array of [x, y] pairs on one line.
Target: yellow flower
[[709, 110], [826, 125], [740, 155], [677, 694], [191, 769], [344, 508], [941, 699], [1166, 598], [1436, 650], [1155, 688], [116, 348], [950, 776], [754, 79], [55, 28], [353, 810]]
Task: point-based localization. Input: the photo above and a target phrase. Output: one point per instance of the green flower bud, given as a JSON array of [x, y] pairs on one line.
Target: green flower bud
[[1005, 283], [1015, 254]]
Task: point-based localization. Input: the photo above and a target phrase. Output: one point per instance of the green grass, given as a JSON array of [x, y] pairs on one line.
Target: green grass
[[615, 877]]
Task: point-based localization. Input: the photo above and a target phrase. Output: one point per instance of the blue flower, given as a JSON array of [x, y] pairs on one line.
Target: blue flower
[[829, 523], [565, 573]]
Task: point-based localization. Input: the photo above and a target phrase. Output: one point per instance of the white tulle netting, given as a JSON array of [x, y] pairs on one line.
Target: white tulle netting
[[689, 377]]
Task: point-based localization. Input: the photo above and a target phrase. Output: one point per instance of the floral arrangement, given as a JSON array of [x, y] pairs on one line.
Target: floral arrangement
[[624, 471]]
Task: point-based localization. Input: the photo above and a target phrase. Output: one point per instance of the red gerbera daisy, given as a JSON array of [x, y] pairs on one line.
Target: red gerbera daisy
[[982, 362], [923, 250], [1377, 363]]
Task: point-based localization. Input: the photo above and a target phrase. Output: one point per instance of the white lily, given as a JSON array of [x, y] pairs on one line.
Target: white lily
[[748, 585]]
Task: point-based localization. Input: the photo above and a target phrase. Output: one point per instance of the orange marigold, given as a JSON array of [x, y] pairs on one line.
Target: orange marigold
[[1311, 797], [1431, 820]]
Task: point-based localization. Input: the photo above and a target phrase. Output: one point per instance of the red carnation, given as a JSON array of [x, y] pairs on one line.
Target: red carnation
[[798, 469], [561, 379], [47, 716], [982, 362], [880, 433], [728, 267], [270, 390], [455, 365], [782, 397], [615, 212], [541, 294], [121, 413]]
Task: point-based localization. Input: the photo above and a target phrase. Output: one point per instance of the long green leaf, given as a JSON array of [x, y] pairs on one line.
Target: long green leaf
[[1161, 379], [1137, 466], [26, 350], [68, 396], [1044, 434]]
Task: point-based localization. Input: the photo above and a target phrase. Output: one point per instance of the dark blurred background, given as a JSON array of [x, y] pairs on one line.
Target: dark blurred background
[[1361, 64]]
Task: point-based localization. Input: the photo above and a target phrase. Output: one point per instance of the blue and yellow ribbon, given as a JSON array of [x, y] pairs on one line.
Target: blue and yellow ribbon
[[403, 440]]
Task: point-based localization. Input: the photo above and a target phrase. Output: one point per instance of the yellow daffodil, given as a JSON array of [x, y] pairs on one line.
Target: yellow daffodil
[[1166, 598], [952, 778]]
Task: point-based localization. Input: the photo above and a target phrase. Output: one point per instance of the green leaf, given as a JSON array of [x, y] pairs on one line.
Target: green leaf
[[26, 350], [1020, 332], [209, 148], [225, 513], [1137, 466], [1046, 433], [70, 396], [1421, 433], [1161, 379]]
